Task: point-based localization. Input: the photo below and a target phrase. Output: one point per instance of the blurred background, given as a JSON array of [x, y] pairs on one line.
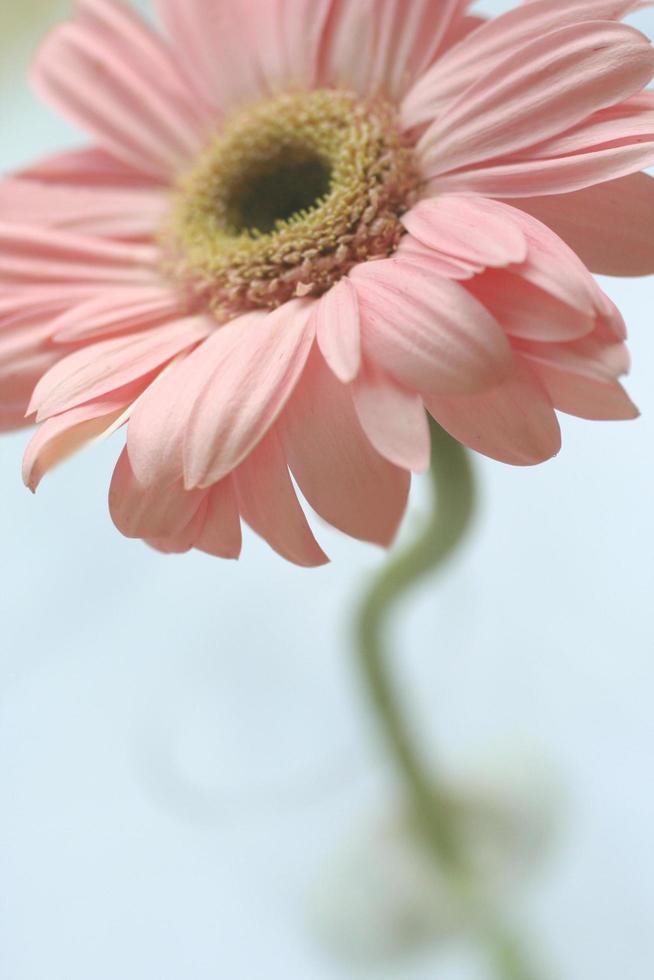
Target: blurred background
[[191, 784]]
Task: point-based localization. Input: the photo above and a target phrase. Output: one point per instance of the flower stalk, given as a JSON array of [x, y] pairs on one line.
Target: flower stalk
[[454, 504], [435, 812]]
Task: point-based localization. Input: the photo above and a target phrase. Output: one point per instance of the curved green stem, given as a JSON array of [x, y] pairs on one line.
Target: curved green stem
[[509, 960], [454, 493], [436, 814]]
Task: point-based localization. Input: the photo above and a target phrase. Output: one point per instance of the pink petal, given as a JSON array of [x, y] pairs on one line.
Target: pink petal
[[185, 539], [105, 212], [343, 478], [552, 266], [120, 27], [630, 121], [149, 512], [12, 414], [97, 369], [25, 350], [89, 167], [156, 428], [122, 89], [237, 51], [393, 419], [26, 332], [489, 47], [608, 144], [116, 311], [429, 332], [612, 319], [232, 388], [20, 300], [65, 434], [19, 374], [373, 45], [583, 396], [435, 263], [41, 255], [459, 31], [337, 330], [58, 439], [214, 528], [268, 502], [524, 310], [549, 297], [288, 37], [514, 422], [544, 89], [472, 229], [221, 532], [595, 357], [213, 43], [609, 226], [531, 178], [25, 356], [252, 366]]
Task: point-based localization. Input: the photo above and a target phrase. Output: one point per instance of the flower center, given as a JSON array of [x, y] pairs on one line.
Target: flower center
[[291, 195]]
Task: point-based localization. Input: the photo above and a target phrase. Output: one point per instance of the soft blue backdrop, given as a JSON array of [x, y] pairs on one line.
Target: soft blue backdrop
[[182, 748]]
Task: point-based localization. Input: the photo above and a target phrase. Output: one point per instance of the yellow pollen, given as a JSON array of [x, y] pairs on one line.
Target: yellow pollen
[[291, 195]]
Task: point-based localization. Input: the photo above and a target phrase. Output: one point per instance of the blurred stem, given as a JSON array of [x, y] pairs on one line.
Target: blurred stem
[[509, 959], [454, 502], [435, 812]]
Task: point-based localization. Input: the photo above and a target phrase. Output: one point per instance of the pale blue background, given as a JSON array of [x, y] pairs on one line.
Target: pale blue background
[[119, 667]]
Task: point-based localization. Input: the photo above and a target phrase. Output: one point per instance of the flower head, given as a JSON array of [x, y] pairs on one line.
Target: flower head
[[300, 224]]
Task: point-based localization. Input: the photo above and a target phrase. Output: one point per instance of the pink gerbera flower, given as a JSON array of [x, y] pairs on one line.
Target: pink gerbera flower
[[301, 223]]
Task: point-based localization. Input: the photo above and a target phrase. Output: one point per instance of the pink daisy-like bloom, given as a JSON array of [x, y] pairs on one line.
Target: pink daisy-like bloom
[[300, 224]]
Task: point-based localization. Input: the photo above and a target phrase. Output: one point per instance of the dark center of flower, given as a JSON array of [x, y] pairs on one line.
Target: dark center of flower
[[286, 186], [290, 196]]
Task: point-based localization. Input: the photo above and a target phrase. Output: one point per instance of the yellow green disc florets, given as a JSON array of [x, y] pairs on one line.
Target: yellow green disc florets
[[291, 195]]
